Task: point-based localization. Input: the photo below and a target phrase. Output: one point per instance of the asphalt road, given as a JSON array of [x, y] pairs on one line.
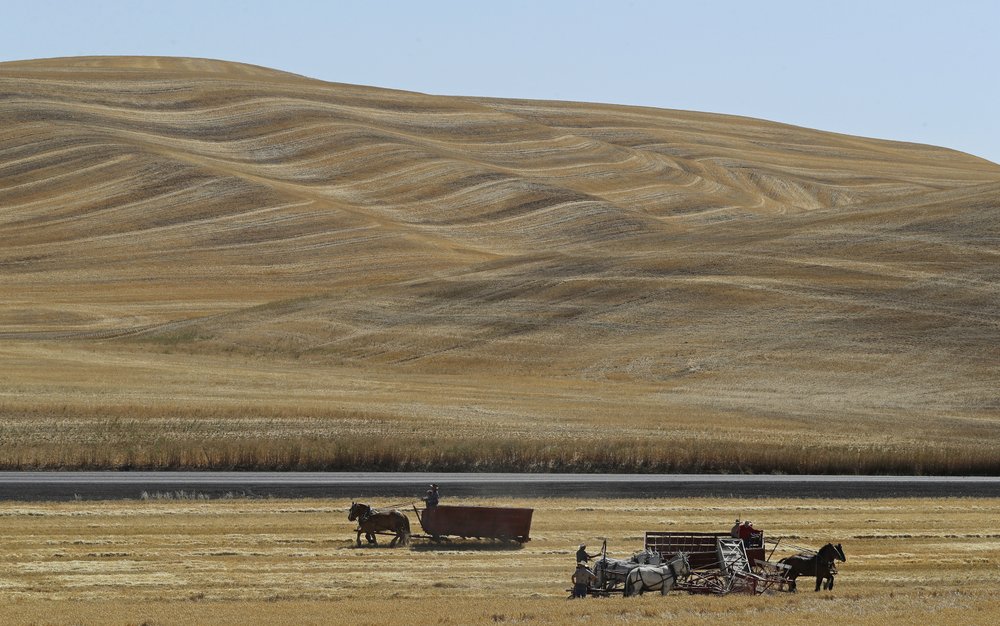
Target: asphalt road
[[380, 485]]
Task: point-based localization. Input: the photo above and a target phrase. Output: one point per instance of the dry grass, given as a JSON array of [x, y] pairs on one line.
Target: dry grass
[[278, 561], [214, 265], [200, 412]]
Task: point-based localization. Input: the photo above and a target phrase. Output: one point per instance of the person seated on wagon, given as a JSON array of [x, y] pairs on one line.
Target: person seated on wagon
[[735, 531], [582, 578], [751, 537], [432, 497]]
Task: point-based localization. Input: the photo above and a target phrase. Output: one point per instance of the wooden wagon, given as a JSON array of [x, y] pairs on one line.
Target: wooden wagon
[[701, 548], [720, 563], [481, 522]]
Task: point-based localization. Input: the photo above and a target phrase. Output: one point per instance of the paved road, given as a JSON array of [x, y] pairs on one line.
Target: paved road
[[378, 485]]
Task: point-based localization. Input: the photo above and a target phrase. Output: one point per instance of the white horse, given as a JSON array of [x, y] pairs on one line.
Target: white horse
[[611, 572], [663, 578]]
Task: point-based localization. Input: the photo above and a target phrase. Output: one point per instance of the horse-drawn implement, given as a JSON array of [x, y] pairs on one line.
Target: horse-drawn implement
[[480, 522], [711, 563], [701, 548], [722, 564], [443, 522]]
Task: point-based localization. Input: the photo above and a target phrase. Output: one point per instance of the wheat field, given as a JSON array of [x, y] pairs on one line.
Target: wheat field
[[208, 264], [239, 561]]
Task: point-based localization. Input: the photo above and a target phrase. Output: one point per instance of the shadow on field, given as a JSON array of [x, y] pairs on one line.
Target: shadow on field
[[426, 545], [418, 545]]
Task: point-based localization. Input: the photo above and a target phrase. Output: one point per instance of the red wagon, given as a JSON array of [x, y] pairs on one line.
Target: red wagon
[[701, 547], [481, 522], [720, 563]]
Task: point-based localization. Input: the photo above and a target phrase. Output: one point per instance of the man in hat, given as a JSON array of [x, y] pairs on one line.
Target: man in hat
[[582, 556], [432, 497], [582, 578]]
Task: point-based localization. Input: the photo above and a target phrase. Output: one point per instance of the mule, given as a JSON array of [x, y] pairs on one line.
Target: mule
[[821, 565], [371, 522], [662, 578]]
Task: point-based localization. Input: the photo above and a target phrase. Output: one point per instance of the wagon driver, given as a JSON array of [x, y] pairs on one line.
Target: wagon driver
[[582, 556], [432, 497]]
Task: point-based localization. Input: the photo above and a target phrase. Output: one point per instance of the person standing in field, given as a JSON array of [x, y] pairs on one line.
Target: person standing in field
[[582, 578]]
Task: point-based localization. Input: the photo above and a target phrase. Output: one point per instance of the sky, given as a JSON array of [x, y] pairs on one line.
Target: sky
[[920, 71]]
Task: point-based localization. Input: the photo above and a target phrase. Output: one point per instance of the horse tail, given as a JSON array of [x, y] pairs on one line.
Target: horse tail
[[628, 584], [406, 529]]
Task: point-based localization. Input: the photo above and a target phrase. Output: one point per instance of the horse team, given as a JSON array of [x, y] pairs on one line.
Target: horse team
[[639, 576], [371, 522], [822, 565]]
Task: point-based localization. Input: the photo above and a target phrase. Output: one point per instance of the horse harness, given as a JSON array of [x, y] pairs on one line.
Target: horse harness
[[673, 572], [367, 515], [670, 566]]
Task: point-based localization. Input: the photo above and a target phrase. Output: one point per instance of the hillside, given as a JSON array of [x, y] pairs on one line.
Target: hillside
[[196, 255]]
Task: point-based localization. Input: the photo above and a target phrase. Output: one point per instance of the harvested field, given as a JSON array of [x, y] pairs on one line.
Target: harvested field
[[75, 406], [293, 561], [212, 265]]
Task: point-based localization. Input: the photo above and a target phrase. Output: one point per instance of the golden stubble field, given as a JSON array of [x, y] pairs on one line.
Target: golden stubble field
[[76, 405], [208, 264], [294, 562]]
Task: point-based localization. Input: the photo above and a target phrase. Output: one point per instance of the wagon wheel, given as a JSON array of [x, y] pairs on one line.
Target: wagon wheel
[[712, 582]]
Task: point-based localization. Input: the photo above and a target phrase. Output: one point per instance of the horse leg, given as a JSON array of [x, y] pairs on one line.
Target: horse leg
[[359, 537], [819, 581]]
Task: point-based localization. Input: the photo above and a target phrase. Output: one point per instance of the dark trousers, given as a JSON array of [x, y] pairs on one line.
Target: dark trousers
[[580, 590]]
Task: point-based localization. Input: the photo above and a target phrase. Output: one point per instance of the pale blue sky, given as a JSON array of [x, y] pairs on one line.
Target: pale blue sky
[[918, 71]]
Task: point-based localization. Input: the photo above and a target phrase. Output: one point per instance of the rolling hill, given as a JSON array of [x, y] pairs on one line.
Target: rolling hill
[[197, 255]]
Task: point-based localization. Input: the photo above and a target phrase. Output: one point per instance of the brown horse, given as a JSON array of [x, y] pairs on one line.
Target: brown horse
[[371, 522], [821, 565]]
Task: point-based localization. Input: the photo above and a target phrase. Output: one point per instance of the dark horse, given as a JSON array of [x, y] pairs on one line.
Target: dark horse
[[371, 521], [819, 565]]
